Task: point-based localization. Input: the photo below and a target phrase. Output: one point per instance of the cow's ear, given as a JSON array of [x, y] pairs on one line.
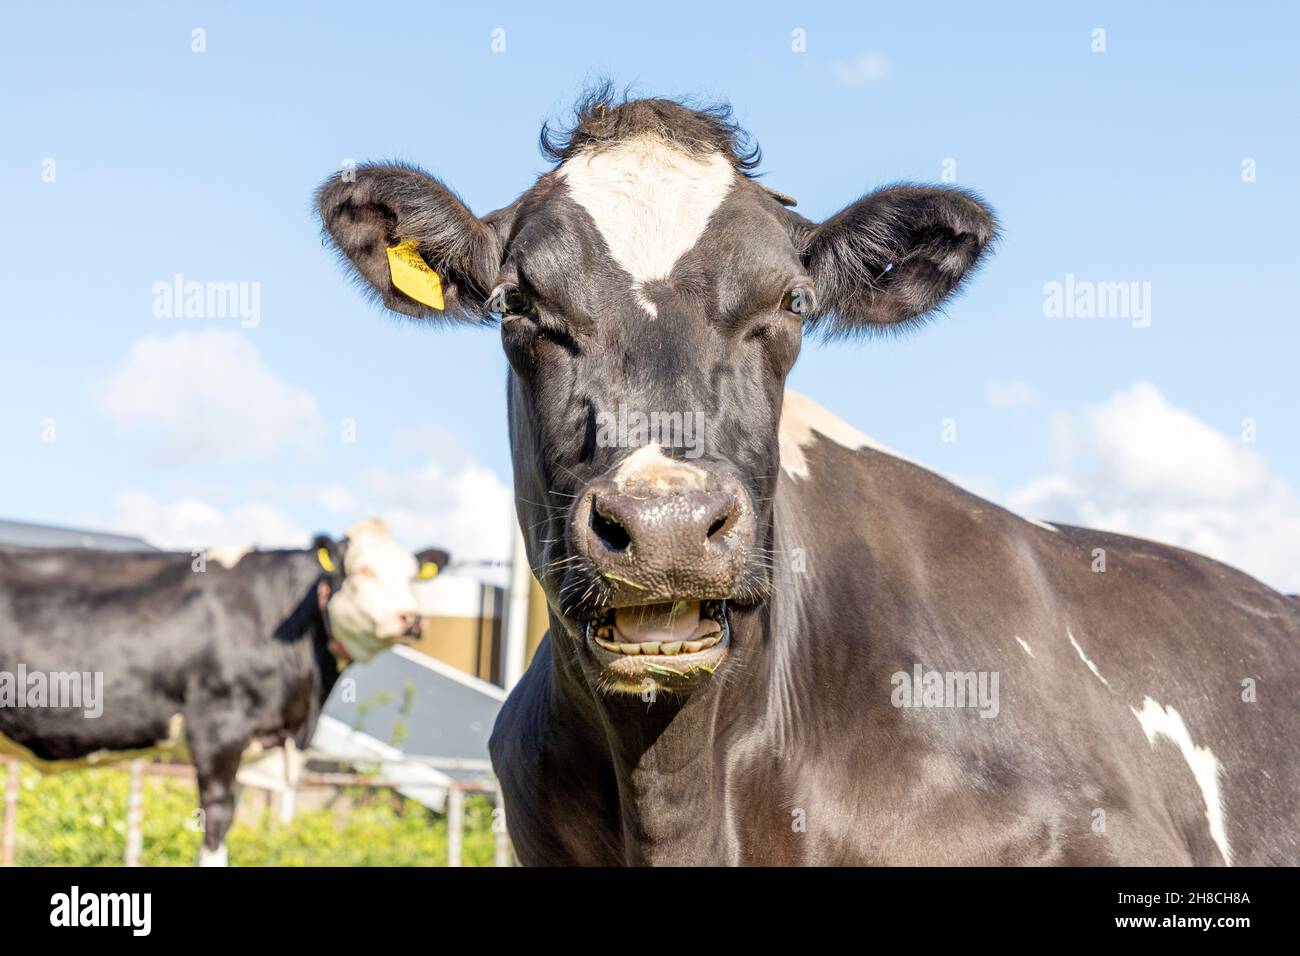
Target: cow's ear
[[329, 554], [410, 240], [892, 257], [431, 561]]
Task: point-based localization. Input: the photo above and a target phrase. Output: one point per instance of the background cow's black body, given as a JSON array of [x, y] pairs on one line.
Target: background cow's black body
[[241, 653], [798, 755]]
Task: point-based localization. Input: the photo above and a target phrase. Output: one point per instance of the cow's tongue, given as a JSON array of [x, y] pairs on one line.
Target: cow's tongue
[[663, 623]]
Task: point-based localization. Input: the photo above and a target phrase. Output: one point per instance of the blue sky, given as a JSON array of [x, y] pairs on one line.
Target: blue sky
[[1115, 166]]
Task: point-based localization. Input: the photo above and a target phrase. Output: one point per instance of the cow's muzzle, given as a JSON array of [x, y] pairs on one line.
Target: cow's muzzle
[[670, 548], [653, 547]]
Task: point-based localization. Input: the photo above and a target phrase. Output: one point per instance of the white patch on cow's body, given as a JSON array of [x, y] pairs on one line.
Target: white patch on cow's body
[[1041, 524], [218, 857], [1168, 723], [366, 612], [1025, 646], [1084, 657], [801, 416], [228, 557], [650, 200], [649, 468]]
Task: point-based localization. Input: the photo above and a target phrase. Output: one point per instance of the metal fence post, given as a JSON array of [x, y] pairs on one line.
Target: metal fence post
[[135, 814], [501, 851], [455, 824], [8, 845]]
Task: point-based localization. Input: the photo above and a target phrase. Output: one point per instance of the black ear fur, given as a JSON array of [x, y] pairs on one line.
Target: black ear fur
[[890, 259], [377, 205], [324, 548]]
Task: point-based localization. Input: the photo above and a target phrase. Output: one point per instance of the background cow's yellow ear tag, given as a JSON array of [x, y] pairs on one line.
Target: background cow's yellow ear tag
[[326, 562], [412, 275], [428, 570]]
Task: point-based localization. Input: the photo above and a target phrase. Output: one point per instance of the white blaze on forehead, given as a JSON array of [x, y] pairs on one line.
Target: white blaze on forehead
[[1166, 722], [649, 468], [650, 200], [371, 607]]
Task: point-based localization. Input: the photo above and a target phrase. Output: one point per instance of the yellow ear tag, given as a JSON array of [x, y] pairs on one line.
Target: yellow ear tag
[[326, 562], [412, 275], [428, 570]]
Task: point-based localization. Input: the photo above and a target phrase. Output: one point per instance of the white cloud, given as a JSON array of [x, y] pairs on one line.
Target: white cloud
[[1138, 465], [863, 70], [1010, 395], [188, 523], [465, 508], [209, 398]]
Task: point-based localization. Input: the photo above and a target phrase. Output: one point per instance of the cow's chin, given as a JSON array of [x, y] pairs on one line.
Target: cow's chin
[[670, 646]]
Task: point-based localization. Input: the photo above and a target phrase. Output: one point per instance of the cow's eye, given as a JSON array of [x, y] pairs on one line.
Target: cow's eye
[[510, 300], [799, 301]]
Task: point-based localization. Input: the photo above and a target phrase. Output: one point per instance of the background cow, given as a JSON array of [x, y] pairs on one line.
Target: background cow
[[730, 633], [235, 647]]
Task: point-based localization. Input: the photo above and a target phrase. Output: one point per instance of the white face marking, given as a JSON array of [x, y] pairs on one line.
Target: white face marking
[[650, 469], [1084, 657], [366, 613], [1025, 646], [650, 200], [1168, 723]]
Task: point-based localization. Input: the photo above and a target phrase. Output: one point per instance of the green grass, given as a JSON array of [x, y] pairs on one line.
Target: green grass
[[79, 819]]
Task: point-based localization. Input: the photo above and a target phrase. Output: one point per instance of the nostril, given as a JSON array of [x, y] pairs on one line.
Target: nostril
[[611, 534], [724, 521]]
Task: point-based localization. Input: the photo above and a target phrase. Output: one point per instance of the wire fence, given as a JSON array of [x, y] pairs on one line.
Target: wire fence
[[478, 781]]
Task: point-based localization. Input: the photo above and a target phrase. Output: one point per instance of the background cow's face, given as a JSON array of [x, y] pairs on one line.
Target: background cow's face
[[372, 603], [652, 299]]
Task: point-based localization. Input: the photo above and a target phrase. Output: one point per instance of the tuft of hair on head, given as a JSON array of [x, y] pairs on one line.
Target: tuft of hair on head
[[605, 116], [372, 525]]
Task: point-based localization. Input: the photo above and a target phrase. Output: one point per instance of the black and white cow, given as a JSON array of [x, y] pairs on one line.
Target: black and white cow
[[751, 650], [105, 655]]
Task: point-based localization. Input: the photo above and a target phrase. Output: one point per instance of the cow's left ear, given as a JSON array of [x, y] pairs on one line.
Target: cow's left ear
[[431, 561], [893, 256], [411, 240], [329, 554]]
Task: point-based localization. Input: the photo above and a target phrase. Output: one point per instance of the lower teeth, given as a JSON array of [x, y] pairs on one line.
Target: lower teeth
[[655, 648]]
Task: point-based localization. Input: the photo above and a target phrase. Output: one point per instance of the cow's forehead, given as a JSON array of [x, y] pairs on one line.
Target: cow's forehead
[[650, 201], [645, 211]]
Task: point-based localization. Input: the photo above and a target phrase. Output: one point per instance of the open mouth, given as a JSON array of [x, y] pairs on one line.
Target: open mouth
[[672, 642]]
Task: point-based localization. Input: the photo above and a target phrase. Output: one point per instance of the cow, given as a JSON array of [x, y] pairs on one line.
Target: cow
[[109, 655], [785, 644]]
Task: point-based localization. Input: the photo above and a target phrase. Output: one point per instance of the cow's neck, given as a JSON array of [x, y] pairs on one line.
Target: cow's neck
[[669, 756]]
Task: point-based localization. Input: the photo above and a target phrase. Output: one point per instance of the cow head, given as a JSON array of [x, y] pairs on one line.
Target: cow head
[[367, 590], [652, 298]]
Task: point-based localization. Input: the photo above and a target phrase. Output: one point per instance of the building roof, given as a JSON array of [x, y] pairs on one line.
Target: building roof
[[49, 536], [446, 713]]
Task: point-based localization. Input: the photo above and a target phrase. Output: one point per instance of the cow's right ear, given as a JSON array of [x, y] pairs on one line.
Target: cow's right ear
[[443, 259], [329, 554]]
